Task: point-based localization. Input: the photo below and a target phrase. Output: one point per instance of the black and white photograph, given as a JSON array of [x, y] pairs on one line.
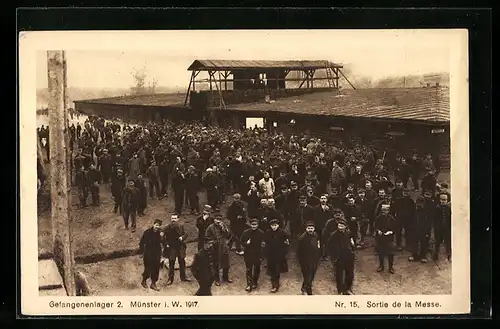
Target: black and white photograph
[[247, 164]]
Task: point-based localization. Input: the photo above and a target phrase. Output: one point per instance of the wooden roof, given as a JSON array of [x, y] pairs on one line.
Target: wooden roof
[[416, 104], [228, 65]]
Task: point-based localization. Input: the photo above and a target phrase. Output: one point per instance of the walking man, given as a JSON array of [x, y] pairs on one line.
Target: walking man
[[252, 240], [276, 243], [340, 248], [308, 255], [175, 240], [151, 249]]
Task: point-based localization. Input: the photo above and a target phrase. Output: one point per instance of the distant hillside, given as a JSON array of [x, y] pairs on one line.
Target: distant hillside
[[75, 94]]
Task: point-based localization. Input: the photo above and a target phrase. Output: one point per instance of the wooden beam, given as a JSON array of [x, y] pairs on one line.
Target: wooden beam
[[189, 88], [347, 80], [60, 185]]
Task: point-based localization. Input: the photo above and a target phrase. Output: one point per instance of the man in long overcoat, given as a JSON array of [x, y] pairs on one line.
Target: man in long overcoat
[[151, 245], [236, 214], [276, 247], [308, 254], [175, 240], [203, 270], [252, 240], [384, 239], [130, 201], [218, 235], [202, 223], [340, 248]]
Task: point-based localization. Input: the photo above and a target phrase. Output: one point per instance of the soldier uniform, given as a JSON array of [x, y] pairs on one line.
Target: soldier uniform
[[252, 240]]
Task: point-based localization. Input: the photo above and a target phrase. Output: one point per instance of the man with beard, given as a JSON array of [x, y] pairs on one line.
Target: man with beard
[[303, 214], [323, 213], [312, 200], [202, 270], [236, 214], [384, 238], [140, 184], [151, 248], [252, 240], [202, 223], [276, 244], [82, 182], [104, 164], [130, 201], [442, 227], [419, 232], [175, 239], [94, 177], [405, 213], [192, 188], [340, 248], [266, 186], [218, 234], [352, 213], [154, 181], [308, 254]]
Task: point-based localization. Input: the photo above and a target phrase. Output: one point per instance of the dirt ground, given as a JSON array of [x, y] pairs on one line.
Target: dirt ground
[[97, 230]]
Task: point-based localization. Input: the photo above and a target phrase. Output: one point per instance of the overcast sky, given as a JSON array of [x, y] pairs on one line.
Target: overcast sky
[[375, 54]]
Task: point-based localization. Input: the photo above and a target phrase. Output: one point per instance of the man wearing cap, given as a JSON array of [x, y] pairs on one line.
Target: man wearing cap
[[236, 214], [384, 238], [442, 226], [175, 239], [104, 166], [178, 186], [404, 210], [140, 184], [442, 188], [218, 234], [337, 176], [312, 200], [282, 180], [281, 202], [192, 188], [334, 199], [82, 182], [366, 208], [130, 201], [429, 181], [154, 180], [253, 200], [252, 241], [210, 183], [202, 270], [294, 175], [352, 213], [301, 216], [94, 178], [276, 247], [308, 255], [340, 247], [151, 245], [419, 231]]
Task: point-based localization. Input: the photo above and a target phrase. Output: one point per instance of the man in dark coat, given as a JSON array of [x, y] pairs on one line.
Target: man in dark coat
[[175, 240], [301, 216], [164, 173], [323, 213], [202, 223], [252, 240], [276, 243], [94, 178], [405, 213], [104, 164], [154, 181], [429, 181], [365, 207], [130, 200], [82, 182], [442, 226], [236, 214], [179, 187], [352, 213], [151, 245], [218, 234], [117, 186], [140, 184], [334, 199], [210, 183], [384, 238], [202, 270], [192, 189], [340, 248], [308, 254], [419, 231]]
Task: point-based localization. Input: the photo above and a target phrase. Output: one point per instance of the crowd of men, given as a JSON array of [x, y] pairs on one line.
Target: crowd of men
[[318, 198]]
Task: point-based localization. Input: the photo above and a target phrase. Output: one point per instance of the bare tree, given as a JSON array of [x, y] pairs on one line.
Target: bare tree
[[152, 86], [139, 80]]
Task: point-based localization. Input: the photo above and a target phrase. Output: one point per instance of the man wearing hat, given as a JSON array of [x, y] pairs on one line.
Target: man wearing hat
[[429, 181], [210, 182], [151, 249], [218, 234], [252, 241], [340, 247], [308, 255], [276, 247], [384, 238], [334, 199], [202, 270], [405, 212], [323, 213], [442, 226], [236, 214], [301, 216], [175, 239], [130, 201], [365, 207], [419, 231], [192, 188]]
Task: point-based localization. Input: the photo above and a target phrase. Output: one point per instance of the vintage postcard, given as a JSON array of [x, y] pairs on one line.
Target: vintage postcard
[[244, 172]]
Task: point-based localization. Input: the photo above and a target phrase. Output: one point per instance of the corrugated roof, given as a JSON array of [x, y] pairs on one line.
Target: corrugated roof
[[206, 64], [142, 100], [421, 104]]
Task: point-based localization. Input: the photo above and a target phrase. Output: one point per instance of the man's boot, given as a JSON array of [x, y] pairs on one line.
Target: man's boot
[[144, 284], [154, 287]]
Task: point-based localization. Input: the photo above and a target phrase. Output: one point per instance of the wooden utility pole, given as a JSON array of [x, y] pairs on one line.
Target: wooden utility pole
[[59, 168]]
